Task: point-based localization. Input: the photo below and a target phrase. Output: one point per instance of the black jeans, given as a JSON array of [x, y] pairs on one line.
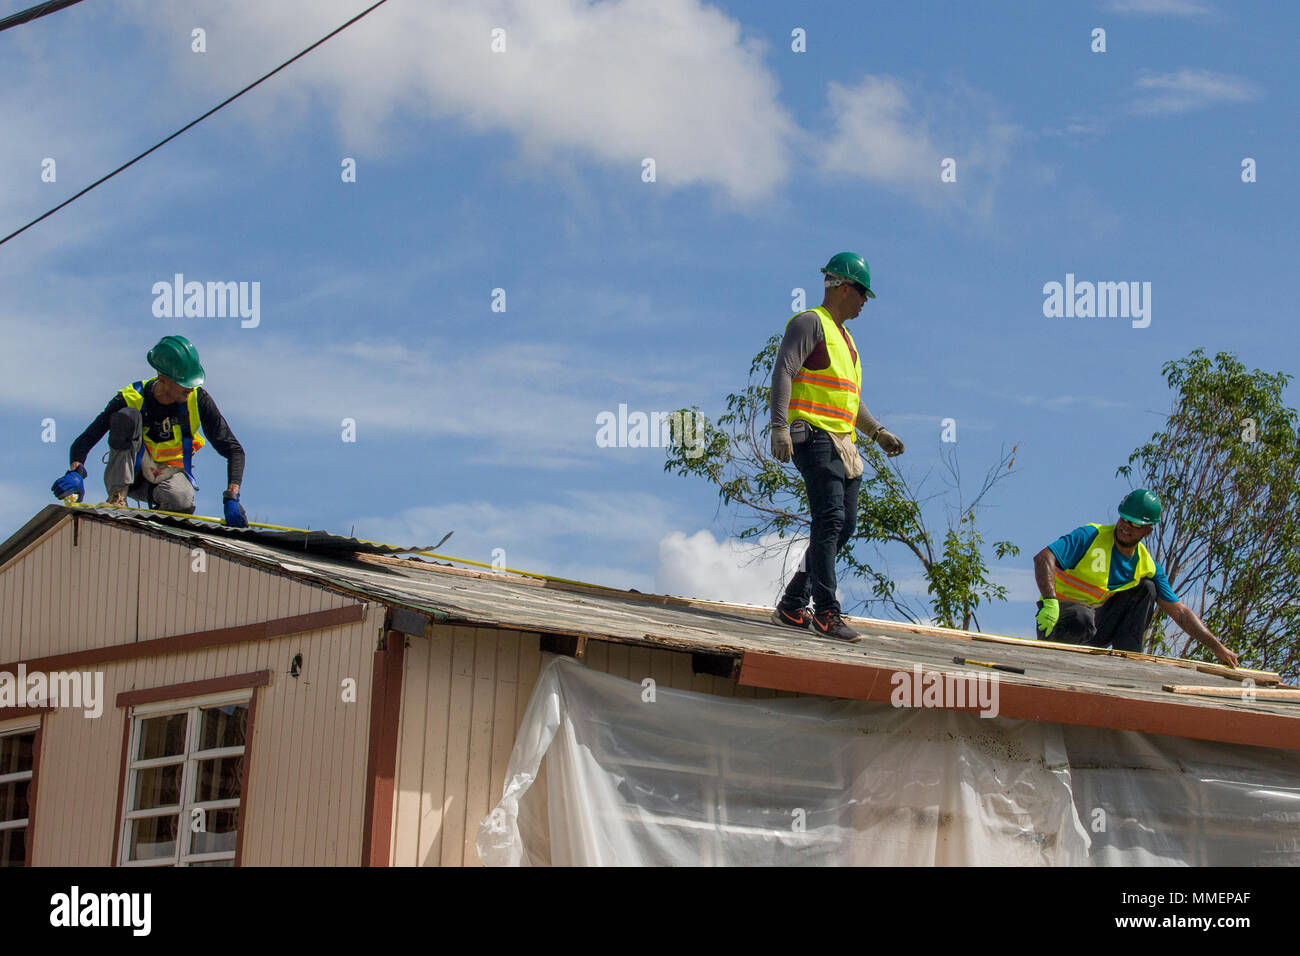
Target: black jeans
[[1119, 623], [833, 500]]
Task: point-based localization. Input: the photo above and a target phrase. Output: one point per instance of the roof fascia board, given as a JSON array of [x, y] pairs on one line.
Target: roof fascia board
[[1032, 702]]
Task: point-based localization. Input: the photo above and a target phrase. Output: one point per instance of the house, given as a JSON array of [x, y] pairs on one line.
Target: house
[[198, 695]]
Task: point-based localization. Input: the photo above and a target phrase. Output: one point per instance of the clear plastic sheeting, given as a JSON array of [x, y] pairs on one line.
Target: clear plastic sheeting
[[603, 775], [1149, 800]]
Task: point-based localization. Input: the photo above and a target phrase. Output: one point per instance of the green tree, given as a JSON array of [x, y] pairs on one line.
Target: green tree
[[1227, 469], [734, 454]]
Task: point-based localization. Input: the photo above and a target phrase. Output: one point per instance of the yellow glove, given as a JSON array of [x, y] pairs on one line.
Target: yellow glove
[[1049, 613]]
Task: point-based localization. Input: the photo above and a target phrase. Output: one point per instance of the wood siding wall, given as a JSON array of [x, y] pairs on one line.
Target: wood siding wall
[[464, 694], [118, 585], [305, 787]]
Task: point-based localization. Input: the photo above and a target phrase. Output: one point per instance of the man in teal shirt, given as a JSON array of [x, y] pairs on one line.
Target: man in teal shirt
[[1100, 586]]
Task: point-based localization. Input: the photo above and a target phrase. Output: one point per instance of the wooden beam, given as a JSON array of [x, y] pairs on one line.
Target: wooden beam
[[1234, 693], [406, 621], [381, 753], [1033, 702], [198, 640], [1235, 673], [1240, 673], [195, 688], [566, 645]]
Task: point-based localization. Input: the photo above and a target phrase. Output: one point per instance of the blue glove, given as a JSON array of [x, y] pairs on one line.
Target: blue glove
[[235, 516], [70, 484]]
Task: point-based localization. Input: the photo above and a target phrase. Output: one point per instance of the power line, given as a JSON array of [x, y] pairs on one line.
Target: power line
[[194, 122], [32, 13]]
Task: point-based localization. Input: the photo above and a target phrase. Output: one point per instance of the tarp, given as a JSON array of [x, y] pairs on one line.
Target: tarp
[[607, 771]]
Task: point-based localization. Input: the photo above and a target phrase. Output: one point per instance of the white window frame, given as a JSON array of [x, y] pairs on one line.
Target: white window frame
[[26, 727], [192, 707]]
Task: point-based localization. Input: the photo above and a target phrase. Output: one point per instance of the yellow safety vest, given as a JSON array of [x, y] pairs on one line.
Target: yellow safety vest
[[185, 440], [1089, 581], [828, 398]]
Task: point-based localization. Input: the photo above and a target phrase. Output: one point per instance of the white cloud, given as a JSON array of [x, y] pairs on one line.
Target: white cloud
[[877, 136], [615, 81], [1188, 89], [738, 572], [887, 136], [1161, 8]]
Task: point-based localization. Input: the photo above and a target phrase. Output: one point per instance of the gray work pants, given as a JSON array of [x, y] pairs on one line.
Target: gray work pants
[[173, 493]]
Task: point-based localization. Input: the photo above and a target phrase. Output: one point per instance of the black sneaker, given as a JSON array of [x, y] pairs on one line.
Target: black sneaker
[[830, 624], [799, 617]]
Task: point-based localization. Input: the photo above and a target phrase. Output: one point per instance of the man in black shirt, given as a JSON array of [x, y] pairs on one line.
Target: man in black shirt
[[155, 428]]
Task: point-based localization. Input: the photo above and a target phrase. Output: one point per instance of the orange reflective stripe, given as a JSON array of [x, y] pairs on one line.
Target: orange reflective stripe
[[824, 409], [1083, 586], [827, 381]]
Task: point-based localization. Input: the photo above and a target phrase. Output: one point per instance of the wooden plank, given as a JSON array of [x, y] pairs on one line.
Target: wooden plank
[[411, 752], [458, 735], [1035, 702], [1235, 673], [1240, 673], [530, 665], [434, 787], [183, 643], [619, 655], [479, 772], [381, 764], [597, 657], [1236, 693], [504, 719]]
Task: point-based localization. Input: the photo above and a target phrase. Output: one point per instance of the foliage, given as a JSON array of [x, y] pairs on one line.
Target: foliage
[[1226, 466]]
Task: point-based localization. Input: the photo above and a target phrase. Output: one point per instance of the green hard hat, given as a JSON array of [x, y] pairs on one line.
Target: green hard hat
[[850, 265], [1140, 507], [176, 357]]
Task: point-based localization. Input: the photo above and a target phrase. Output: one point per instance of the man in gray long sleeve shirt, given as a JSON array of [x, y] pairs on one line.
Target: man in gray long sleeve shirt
[[816, 387]]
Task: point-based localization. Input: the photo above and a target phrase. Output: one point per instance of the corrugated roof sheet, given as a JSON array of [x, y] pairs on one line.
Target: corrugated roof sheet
[[452, 595]]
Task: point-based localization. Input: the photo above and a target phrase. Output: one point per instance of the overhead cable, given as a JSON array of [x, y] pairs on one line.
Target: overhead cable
[[192, 123]]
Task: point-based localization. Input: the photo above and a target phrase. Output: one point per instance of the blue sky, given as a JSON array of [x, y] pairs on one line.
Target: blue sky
[[521, 170]]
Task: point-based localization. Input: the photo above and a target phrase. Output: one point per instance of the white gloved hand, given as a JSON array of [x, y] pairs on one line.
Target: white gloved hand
[[782, 446], [889, 443]]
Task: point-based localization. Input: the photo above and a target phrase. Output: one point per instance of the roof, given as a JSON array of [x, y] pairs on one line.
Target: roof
[[1071, 685]]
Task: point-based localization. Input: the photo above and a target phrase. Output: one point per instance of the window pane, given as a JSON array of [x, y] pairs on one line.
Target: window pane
[[153, 838], [13, 800], [16, 752], [162, 736], [13, 847], [222, 829], [215, 863], [157, 787], [220, 779], [223, 727]]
